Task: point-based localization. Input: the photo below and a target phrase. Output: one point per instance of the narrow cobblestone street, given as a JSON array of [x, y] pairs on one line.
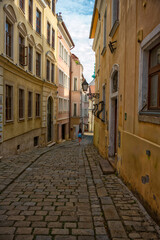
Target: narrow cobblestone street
[[61, 193]]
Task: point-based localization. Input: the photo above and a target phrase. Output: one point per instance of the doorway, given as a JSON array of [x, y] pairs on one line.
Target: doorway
[[49, 119], [63, 131]]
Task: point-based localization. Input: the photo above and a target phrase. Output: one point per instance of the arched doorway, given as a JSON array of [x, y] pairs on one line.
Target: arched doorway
[[113, 119], [49, 119]]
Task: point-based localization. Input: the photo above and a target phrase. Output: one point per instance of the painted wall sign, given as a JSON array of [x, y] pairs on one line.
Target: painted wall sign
[[0, 117], [0, 127]]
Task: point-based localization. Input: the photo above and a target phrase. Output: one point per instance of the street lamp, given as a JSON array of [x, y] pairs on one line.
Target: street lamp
[[85, 86]]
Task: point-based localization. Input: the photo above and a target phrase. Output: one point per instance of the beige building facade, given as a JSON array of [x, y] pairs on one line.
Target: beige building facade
[[28, 62], [127, 122]]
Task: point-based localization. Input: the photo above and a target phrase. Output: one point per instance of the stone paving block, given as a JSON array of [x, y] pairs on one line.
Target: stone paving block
[[102, 237], [102, 192], [24, 230], [134, 235], [110, 212], [35, 218], [22, 224], [39, 224], [41, 231], [80, 232], [65, 237], [106, 200], [85, 238], [60, 231], [43, 238], [24, 237], [55, 225], [70, 225], [7, 230], [6, 223], [51, 218], [88, 225], [6, 237], [116, 229], [100, 231]]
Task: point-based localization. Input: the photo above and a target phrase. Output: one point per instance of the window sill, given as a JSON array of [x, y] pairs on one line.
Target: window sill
[[149, 116], [114, 28], [37, 117], [30, 118], [103, 51], [7, 122], [21, 120], [38, 34]]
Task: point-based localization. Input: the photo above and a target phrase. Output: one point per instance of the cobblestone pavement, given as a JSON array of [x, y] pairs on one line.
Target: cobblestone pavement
[[61, 193]]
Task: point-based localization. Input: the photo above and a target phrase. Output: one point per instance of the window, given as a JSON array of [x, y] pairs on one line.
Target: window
[[53, 38], [38, 64], [8, 39], [86, 98], [75, 84], [21, 50], [9, 105], [65, 105], [29, 104], [52, 73], [75, 110], [60, 104], [48, 70], [37, 105], [154, 78], [22, 4], [48, 32], [30, 11], [30, 53], [53, 6], [115, 82], [60, 77], [38, 21], [104, 100], [21, 104]]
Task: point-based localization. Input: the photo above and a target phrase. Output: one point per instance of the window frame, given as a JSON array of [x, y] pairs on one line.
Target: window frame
[[75, 85], [53, 7], [38, 72], [53, 38], [11, 39], [152, 71], [30, 104], [75, 115], [21, 104], [11, 103], [30, 58], [38, 105], [52, 72], [30, 12], [22, 5], [48, 32], [48, 70], [38, 21]]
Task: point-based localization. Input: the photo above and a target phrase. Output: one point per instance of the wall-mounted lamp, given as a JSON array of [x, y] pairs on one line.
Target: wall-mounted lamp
[[112, 46], [84, 85]]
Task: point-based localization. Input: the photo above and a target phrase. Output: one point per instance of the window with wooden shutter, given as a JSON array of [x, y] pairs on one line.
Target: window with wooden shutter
[[9, 104], [23, 52]]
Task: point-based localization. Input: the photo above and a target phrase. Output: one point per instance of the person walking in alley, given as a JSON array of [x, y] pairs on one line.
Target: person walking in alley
[[80, 136]]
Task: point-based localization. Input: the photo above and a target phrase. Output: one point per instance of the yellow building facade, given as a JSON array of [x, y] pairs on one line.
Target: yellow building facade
[[28, 61], [127, 119]]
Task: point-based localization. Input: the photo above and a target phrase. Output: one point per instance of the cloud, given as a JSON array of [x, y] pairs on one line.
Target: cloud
[[77, 15]]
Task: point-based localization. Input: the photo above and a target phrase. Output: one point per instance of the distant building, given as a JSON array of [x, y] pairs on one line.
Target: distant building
[[65, 44], [28, 62], [76, 120]]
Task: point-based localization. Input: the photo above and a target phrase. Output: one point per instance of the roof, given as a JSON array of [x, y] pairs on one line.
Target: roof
[[69, 36]]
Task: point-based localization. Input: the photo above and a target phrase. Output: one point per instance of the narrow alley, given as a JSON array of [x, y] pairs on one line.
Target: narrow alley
[[61, 193]]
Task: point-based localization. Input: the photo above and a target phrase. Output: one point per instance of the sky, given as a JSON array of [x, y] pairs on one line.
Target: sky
[[77, 16]]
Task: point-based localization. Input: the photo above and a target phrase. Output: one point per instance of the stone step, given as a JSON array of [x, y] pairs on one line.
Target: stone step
[[106, 167]]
